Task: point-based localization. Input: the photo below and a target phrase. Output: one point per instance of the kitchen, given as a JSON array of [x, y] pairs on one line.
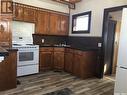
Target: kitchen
[[56, 50]]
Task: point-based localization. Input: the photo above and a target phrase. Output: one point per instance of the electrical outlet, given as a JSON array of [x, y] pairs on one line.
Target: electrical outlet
[[99, 44], [43, 40]]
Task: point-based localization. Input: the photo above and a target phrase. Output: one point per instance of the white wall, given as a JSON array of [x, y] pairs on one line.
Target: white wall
[[97, 7], [47, 4]]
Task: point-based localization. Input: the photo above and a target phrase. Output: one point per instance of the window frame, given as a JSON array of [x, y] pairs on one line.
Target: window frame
[[89, 22]]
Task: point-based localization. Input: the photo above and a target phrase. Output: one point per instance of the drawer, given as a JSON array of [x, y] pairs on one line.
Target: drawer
[[46, 49], [57, 49]]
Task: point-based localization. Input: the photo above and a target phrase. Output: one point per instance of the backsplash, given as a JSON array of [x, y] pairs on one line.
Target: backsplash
[[76, 42], [50, 40], [81, 42]]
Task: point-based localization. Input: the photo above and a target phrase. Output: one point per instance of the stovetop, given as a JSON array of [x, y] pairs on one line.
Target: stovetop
[[19, 46]]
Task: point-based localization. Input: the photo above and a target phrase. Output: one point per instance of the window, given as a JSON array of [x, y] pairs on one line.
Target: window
[[81, 22]]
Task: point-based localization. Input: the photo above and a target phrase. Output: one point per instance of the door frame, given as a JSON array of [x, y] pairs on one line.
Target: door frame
[[105, 32]]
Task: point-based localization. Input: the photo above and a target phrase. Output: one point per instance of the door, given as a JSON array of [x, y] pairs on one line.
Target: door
[[110, 46]]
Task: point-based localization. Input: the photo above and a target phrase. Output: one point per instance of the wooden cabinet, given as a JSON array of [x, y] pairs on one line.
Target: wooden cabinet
[[18, 12], [58, 24], [54, 24], [84, 65], [69, 58], [48, 23], [46, 59], [78, 61], [64, 25], [5, 31], [42, 24], [29, 14], [8, 71], [58, 59], [22, 13]]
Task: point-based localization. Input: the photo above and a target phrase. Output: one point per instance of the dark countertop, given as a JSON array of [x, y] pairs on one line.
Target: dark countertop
[[4, 51], [72, 47]]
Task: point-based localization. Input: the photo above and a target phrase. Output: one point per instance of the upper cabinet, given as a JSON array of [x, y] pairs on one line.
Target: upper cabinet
[[22, 13], [29, 14], [18, 12], [64, 25], [54, 24], [59, 24], [42, 24], [5, 31], [47, 22]]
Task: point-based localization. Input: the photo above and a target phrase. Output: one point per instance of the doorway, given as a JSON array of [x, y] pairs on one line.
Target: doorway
[[110, 34]]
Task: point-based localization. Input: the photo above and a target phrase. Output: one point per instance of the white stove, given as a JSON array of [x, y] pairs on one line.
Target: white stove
[[27, 59]]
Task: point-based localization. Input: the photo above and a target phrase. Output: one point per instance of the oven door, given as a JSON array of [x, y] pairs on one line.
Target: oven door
[[27, 57]]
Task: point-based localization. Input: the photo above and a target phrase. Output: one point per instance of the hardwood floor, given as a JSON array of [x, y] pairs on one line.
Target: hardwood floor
[[43, 83]]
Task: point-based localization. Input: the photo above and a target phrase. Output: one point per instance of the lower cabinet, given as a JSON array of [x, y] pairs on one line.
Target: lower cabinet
[[76, 62], [8, 71], [46, 59], [69, 59], [84, 65], [58, 59]]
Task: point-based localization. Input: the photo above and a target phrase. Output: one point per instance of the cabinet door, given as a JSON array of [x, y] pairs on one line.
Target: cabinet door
[[46, 61], [29, 14], [69, 62], [58, 60], [55, 24], [76, 65], [64, 25], [18, 11], [5, 31], [42, 25]]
